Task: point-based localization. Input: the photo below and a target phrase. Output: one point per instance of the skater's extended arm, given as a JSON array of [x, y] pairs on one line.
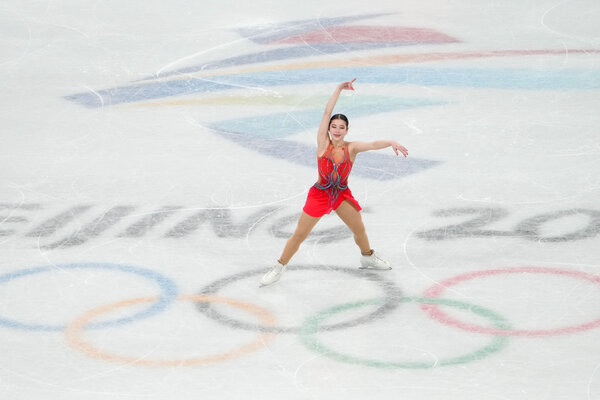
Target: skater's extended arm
[[322, 135], [359, 147]]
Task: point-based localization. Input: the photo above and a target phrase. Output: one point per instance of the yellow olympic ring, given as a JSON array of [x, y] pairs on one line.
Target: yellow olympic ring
[[75, 329]]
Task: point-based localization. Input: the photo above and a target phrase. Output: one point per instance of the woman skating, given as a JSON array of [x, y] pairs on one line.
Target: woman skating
[[335, 157]]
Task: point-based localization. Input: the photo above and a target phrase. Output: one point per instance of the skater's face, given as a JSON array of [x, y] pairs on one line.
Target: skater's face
[[338, 129]]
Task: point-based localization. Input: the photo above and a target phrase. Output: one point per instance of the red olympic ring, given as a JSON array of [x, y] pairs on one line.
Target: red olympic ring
[[436, 291]]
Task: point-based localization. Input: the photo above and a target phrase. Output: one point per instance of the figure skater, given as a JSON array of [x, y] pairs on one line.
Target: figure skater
[[335, 158]]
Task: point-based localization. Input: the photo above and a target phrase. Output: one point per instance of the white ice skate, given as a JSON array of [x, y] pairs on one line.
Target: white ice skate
[[273, 275], [374, 262]]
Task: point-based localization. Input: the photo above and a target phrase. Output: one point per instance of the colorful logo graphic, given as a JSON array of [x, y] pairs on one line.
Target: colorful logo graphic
[[299, 53]]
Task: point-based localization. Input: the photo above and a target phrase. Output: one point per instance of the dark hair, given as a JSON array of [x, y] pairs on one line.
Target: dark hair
[[340, 116]]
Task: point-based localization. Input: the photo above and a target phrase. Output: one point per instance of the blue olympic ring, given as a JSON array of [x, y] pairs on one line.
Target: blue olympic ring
[[167, 286]]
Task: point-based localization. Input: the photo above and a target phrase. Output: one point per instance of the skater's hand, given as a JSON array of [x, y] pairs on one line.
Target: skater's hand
[[397, 147], [347, 85]]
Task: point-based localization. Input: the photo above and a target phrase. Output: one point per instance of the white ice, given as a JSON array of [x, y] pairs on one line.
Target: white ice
[[102, 207]]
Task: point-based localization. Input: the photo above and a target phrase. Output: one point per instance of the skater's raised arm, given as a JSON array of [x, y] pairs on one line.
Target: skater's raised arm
[[359, 147], [322, 135]]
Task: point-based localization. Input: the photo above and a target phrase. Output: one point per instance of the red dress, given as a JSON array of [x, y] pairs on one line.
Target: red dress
[[331, 188]]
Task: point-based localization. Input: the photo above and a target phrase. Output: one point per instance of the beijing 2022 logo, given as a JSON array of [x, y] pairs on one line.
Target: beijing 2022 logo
[[299, 53]]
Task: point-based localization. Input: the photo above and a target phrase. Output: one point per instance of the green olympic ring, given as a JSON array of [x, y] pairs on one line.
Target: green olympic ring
[[311, 327]]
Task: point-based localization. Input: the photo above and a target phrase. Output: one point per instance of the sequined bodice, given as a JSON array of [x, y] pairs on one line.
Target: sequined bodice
[[333, 176]]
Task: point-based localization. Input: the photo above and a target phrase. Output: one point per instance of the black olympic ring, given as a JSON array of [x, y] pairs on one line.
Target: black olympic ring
[[393, 297]]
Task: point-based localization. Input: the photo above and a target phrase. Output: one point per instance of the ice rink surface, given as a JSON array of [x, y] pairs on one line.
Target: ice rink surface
[[155, 157]]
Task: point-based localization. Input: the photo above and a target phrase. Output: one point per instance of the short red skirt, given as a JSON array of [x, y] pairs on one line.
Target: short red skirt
[[318, 203]]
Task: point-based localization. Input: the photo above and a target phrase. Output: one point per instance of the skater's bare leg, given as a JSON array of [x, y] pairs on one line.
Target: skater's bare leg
[[351, 217], [305, 225]]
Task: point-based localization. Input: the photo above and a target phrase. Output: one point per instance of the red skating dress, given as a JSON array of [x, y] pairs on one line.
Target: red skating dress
[[331, 188]]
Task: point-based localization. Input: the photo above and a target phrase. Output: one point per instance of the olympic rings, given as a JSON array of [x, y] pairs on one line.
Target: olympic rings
[[436, 290], [311, 326], [431, 302], [167, 286], [391, 291], [74, 331]]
